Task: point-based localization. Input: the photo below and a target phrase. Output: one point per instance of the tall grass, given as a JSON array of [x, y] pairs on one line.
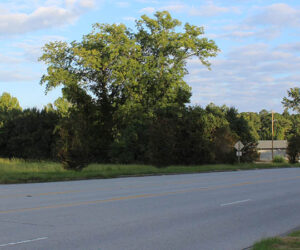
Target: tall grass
[[21, 171]]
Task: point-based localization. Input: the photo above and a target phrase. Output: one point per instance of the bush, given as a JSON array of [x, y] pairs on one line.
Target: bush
[[279, 159], [293, 149]]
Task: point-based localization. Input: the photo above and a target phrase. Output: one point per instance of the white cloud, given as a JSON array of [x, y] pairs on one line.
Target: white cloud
[[209, 9], [129, 18], [279, 15], [70, 2], [18, 75], [87, 3], [290, 47], [174, 7], [20, 64], [148, 1], [10, 59], [43, 17], [250, 77], [148, 10], [123, 4], [266, 24]]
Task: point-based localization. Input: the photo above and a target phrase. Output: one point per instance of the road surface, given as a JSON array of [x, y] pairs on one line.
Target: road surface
[[229, 210]]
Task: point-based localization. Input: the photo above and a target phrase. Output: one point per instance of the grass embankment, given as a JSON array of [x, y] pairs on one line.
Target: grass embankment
[[20, 171], [292, 241]]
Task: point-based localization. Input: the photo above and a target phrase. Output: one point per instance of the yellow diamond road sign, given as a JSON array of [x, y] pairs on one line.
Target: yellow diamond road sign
[[239, 146]]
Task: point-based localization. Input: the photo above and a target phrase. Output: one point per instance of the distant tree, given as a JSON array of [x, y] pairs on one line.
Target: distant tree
[[9, 108], [254, 122], [265, 132], [293, 100], [282, 126], [9, 103]]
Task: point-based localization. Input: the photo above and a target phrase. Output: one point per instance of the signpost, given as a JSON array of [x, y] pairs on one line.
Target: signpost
[[239, 146]]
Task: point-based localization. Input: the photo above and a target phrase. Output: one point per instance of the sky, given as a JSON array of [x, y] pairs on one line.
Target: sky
[[259, 42]]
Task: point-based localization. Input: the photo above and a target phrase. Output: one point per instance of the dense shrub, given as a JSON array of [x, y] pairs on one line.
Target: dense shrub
[[29, 135]]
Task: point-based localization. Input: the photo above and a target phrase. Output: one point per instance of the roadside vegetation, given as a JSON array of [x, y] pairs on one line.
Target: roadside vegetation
[[292, 241], [21, 171], [279, 159]]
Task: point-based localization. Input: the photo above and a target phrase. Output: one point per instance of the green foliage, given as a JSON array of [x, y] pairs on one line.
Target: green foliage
[[180, 135], [254, 122], [295, 124], [193, 143], [265, 132], [279, 159], [261, 124], [130, 137], [9, 108], [115, 72], [9, 103], [73, 150], [293, 100], [78, 134], [29, 135], [62, 106], [245, 132], [293, 149]]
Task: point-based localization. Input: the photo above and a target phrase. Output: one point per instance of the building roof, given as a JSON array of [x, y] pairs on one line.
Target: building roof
[[267, 144]]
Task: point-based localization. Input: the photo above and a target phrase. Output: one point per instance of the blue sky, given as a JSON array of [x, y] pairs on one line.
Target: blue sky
[[259, 41]]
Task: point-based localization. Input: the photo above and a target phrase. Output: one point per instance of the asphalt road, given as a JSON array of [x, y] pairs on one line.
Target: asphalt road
[[215, 211]]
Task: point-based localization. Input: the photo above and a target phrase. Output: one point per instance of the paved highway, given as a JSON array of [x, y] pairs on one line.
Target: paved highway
[[218, 211]]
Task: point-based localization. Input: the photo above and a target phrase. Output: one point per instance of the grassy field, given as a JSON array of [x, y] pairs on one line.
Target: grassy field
[[291, 241], [20, 171]]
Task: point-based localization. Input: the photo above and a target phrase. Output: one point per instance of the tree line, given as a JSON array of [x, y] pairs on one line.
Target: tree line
[[125, 101], [173, 135]]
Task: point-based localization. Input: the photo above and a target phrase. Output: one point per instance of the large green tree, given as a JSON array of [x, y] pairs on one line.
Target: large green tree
[[114, 72]]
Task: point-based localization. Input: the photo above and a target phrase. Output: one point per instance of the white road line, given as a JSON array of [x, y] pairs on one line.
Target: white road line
[[21, 242], [235, 202]]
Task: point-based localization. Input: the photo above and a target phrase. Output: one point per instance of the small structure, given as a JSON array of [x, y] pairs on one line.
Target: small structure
[[264, 148]]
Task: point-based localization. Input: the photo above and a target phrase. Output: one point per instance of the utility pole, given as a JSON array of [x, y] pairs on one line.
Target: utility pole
[[272, 135]]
